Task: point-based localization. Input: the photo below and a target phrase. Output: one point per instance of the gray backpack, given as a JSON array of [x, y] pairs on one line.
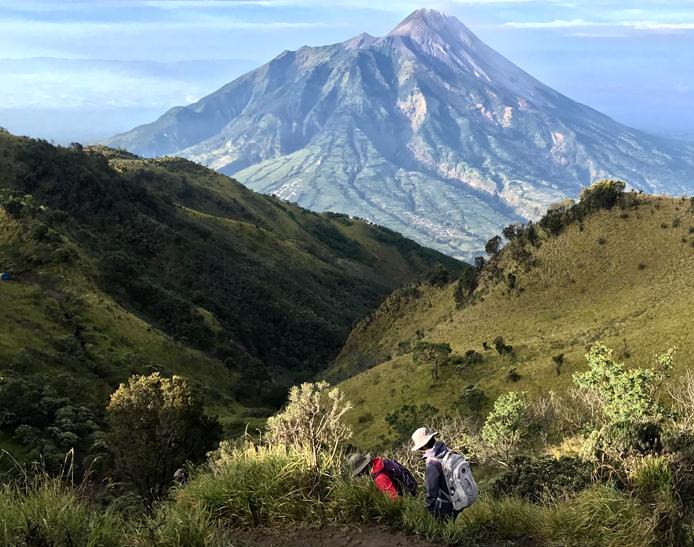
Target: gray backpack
[[461, 484]]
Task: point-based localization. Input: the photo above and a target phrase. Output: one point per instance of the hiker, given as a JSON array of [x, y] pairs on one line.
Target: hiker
[[448, 481], [180, 476], [389, 476]]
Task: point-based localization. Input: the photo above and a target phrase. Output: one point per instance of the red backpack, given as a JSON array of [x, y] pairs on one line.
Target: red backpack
[[404, 481]]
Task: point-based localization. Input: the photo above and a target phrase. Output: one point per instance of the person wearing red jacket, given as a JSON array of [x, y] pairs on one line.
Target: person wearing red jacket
[[374, 465]]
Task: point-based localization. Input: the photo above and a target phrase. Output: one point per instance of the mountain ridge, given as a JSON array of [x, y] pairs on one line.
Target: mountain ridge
[[426, 130], [618, 276]]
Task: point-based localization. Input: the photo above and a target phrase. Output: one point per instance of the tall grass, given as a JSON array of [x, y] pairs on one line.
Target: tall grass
[[264, 486], [602, 516], [49, 512], [258, 485]]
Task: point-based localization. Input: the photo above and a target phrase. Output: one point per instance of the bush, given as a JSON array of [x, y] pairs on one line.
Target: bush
[[156, 425], [501, 346], [493, 246], [626, 404], [513, 375], [312, 420], [472, 357], [535, 479], [505, 430], [465, 286], [472, 399], [602, 195]]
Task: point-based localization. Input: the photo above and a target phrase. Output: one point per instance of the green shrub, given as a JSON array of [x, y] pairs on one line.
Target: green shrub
[[501, 347], [505, 430], [536, 478], [513, 375], [312, 420], [156, 425], [628, 412], [472, 399]]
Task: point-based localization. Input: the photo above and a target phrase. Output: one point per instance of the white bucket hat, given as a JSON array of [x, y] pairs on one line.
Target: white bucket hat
[[421, 437], [358, 462]]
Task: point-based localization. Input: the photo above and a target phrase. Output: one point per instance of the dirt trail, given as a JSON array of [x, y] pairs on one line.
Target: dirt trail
[[327, 537]]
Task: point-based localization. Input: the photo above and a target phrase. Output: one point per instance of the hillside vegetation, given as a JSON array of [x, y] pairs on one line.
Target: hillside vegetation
[[121, 265], [622, 276]]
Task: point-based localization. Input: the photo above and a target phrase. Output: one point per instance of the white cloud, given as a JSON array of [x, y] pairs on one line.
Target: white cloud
[[659, 26], [582, 23], [557, 23]]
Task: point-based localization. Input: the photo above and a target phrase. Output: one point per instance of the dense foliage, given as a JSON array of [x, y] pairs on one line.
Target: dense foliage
[[536, 478], [156, 425], [48, 416]]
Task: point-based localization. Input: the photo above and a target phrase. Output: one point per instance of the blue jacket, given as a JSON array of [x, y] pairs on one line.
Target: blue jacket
[[438, 499]]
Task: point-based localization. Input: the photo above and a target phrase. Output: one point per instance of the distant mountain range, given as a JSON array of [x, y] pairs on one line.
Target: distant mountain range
[[426, 130]]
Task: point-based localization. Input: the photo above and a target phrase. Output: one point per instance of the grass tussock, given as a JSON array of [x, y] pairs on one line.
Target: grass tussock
[[264, 486], [49, 512], [273, 486]]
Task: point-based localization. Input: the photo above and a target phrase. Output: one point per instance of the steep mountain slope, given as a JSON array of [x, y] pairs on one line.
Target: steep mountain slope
[[426, 130], [623, 277], [123, 265]]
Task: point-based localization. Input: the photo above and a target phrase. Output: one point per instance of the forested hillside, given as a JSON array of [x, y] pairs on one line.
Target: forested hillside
[[119, 265]]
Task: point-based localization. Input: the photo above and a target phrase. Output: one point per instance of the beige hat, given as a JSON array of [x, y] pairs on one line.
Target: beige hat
[[358, 462], [421, 437]]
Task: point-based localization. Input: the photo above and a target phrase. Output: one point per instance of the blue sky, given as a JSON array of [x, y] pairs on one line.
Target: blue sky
[[81, 70]]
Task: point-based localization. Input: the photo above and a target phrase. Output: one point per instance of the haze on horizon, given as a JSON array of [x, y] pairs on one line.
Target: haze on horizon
[[75, 70]]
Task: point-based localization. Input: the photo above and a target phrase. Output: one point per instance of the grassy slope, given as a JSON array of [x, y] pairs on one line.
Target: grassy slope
[[249, 271], [636, 288]]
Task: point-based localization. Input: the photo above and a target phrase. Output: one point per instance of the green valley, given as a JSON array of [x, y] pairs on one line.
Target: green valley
[[121, 265]]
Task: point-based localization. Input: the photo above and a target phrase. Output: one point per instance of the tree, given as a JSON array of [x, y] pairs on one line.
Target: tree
[[432, 354], [603, 194], [502, 347], [493, 246], [506, 428], [480, 263], [312, 420], [156, 425], [512, 231], [467, 283]]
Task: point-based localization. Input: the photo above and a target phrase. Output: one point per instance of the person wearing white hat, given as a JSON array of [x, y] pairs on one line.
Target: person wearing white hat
[[438, 498]]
